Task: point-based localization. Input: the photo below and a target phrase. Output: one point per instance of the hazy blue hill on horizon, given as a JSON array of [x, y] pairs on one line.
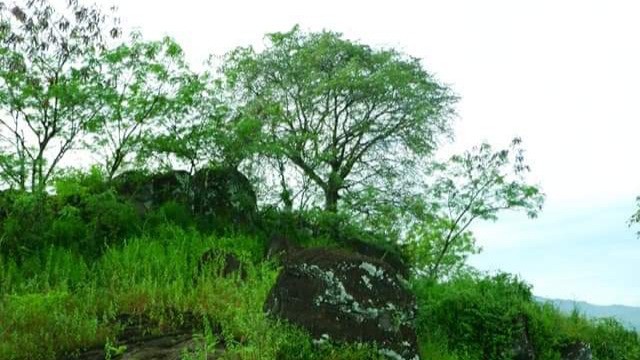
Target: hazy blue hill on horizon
[[628, 315]]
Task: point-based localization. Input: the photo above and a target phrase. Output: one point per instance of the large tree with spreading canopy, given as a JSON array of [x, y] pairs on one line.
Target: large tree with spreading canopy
[[343, 114]]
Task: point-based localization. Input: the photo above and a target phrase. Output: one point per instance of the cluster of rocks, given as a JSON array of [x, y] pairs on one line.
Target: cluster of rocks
[[523, 347], [358, 296]]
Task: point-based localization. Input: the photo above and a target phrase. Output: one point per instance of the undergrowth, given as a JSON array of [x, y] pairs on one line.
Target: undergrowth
[[57, 303]]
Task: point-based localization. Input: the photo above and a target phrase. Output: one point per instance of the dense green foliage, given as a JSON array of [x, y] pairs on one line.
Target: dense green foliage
[[480, 317]]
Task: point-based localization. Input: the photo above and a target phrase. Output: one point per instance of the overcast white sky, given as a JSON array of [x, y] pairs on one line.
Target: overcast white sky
[[563, 75]]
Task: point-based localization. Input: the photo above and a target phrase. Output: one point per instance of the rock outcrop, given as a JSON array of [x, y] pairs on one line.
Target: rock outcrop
[[523, 348], [225, 192], [346, 297], [223, 195]]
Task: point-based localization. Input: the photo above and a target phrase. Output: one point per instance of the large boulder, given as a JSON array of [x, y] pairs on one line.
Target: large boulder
[[172, 185], [222, 195], [346, 297], [149, 191]]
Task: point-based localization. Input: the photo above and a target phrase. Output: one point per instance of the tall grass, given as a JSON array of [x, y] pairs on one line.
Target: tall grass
[[56, 303]]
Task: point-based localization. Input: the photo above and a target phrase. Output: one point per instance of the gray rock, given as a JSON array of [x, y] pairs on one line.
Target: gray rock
[[167, 347]]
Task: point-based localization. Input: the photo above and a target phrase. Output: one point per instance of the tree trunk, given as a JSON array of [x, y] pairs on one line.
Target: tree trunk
[[331, 199]]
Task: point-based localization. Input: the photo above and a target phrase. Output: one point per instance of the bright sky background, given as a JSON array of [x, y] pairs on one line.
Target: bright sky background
[[563, 75]]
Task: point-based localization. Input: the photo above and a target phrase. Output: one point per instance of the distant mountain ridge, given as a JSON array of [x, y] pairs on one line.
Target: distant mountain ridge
[[627, 315]]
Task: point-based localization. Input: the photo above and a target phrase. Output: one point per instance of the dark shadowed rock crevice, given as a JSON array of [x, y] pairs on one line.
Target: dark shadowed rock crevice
[[523, 348]]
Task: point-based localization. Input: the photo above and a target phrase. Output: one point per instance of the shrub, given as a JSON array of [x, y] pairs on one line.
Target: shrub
[[477, 316], [483, 317]]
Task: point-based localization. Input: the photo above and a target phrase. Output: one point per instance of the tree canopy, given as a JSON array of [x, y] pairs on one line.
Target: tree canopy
[[343, 113], [47, 80], [476, 185]]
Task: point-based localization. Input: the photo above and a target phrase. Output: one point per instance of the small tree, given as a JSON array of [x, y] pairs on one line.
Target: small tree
[[47, 83], [635, 218], [140, 86], [203, 127], [343, 113], [475, 185]]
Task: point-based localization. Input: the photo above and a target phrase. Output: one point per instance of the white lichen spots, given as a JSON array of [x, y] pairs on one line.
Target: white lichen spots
[[363, 312], [391, 354], [394, 355], [335, 292], [367, 282], [372, 270], [323, 339], [404, 282]]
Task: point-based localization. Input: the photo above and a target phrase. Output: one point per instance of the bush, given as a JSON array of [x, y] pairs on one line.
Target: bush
[[477, 316], [27, 223], [483, 317]]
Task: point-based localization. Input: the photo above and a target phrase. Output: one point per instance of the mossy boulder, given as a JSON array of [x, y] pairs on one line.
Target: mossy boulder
[[346, 297], [150, 191], [217, 196]]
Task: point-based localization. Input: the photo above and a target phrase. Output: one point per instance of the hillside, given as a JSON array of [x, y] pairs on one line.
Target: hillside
[[283, 202], [627, 315]]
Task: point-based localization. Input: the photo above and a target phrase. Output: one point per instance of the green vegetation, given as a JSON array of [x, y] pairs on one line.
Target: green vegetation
[[58, 302], [484, 317], [337, 142]]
